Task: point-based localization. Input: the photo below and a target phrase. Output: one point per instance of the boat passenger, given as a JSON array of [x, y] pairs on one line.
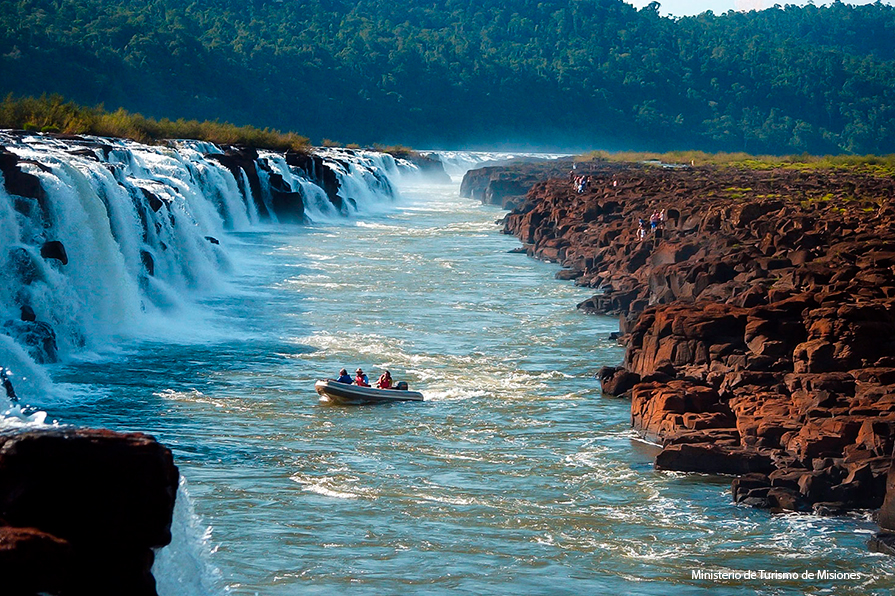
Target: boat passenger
[[343, 377], [385, 381], [360, 379]]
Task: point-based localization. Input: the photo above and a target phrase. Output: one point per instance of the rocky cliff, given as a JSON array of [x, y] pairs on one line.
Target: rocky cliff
[[758, 315], [81, 511]]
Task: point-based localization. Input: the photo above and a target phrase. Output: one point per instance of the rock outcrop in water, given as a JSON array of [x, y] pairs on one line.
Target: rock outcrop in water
[[81, 511], [758, 319]]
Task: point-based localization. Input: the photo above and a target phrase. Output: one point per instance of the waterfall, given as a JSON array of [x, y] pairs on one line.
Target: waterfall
[[102, 239], [457, 163]]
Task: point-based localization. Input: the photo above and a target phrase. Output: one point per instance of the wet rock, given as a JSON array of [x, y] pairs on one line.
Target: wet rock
[[33, 561], [155, 203], [27, 314], [54, 249], [37, 337], [21, 263], [241, 161], [712, 459], [787, 499], [18, 182], [148, 262], [319, 173], [882, 543], [97, 502], [616, 381]]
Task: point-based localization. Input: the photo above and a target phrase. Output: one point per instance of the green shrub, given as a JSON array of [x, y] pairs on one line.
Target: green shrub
[[53, 114]]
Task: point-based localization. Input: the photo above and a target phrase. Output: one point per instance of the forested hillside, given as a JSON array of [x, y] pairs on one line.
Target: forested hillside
[[563, 73]]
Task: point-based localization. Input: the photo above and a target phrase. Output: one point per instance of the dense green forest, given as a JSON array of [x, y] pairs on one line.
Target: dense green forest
[[549, 73]]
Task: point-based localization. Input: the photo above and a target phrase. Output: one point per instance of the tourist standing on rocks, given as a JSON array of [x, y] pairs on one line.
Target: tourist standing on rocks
[[642, 226], [582, 184]]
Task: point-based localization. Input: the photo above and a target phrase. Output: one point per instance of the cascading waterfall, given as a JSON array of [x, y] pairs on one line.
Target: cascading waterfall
[[120, 235], [114, 239], [457, 163]]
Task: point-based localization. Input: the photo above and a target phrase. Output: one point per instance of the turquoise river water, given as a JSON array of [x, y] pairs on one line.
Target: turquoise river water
[[514, 476]]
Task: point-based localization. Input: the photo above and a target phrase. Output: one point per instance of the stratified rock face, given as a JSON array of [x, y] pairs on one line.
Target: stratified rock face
[[85, 506], [508, 189], [759, 317]]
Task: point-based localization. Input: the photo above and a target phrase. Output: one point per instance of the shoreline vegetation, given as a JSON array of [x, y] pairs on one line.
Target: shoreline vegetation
[[52, 114], [884, 164]]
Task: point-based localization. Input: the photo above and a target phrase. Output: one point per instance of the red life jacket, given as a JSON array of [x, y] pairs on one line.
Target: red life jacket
[[359, 380], [385, 382]]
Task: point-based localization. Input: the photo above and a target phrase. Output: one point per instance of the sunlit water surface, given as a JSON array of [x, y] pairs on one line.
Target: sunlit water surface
[[514, 476]]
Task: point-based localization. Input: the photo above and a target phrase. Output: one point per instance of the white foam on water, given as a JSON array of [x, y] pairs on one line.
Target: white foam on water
[[182, 568]]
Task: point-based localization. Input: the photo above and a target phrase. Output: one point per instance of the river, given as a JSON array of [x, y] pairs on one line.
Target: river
[[514, 476]]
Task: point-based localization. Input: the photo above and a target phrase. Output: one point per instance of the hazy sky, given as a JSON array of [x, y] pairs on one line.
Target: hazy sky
[[681, 8]]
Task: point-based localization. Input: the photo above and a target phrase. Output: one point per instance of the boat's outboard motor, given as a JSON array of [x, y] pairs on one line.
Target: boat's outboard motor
[[401, 386]]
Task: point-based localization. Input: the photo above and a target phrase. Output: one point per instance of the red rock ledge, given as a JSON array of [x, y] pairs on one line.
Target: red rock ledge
[[759, 320], [81, 511]]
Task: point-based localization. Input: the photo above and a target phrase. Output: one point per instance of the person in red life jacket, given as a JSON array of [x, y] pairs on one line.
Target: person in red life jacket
[[360, 379], [385, 381]]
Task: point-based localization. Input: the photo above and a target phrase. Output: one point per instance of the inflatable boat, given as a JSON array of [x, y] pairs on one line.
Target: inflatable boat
[[345, 394]]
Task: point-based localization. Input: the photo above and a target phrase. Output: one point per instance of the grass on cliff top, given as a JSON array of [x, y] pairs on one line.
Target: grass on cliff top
[[878, 164], [54, 114]]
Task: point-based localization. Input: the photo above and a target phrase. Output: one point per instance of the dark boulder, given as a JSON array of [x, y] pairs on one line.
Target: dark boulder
[[148, 262], [616, 381], [33, 561], [106, 497], [37, 337], [27, 314], [54, 249], [18, 182]]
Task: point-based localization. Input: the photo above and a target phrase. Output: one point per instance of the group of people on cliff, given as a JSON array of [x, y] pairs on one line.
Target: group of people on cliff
[[361, 380], [581, 182], [656, 224]]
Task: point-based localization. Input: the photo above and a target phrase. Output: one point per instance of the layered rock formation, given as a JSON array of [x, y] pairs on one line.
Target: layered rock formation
[[759, 317], [81, 511]]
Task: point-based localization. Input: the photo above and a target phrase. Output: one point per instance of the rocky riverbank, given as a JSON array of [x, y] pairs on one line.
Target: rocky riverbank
[[758, 318], [81, 511]]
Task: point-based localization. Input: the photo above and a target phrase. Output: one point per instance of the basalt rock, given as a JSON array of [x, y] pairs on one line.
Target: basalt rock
[[758, 316], [18, 182], [318, 172], [242, 160], [36, 336], [54, 249], [85, 508], [428, 165]]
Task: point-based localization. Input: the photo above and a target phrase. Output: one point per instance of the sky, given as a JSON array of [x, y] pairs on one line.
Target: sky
[[680, 8]]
